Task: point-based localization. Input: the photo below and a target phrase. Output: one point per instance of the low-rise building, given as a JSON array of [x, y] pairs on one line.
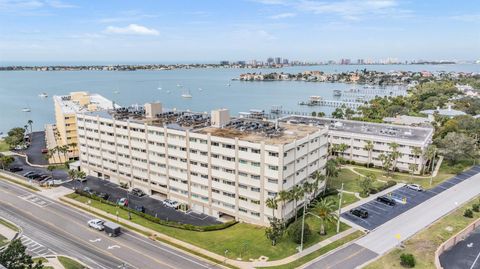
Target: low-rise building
[[356, 134], [216, 165]]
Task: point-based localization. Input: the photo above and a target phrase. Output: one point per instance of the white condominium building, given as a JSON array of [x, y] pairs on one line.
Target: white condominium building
[[356, 134], [215, 164], [66, 109]]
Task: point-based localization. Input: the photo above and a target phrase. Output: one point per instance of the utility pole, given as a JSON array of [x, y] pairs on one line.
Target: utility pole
[[339, 208], [303, 224]]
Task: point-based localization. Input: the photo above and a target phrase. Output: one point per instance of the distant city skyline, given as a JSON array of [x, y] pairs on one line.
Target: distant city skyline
[[244, 30]]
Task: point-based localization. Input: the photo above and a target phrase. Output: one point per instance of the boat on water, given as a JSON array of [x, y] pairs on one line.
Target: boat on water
[[200, 89], [159, 88], [228, 85], [179, 85], [186, 94], [337, 93], [43, 95], [26, 109], [116, 92], [313, 100]]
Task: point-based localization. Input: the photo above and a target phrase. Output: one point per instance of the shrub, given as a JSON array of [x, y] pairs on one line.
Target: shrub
[[156, 220], [458, 168], [407, 260], [295, 232], [476, 207], [468, 213]]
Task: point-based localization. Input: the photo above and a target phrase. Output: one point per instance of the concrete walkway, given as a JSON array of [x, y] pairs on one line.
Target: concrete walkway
[[53, 262]]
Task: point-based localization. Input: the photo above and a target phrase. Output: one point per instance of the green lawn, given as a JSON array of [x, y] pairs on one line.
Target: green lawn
[[424, 244], [3, 240], [350, 181], [9, 225], [69, 263], [444, 173], [319, 252], [241, 240], [346, 200], [3, 146], [19, 182]]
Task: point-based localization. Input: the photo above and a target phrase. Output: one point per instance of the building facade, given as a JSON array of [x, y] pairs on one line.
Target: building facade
[[355, 135], [64, 132], [216, 168]]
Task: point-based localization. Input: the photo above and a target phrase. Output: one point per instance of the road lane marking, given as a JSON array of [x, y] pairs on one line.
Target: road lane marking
[[112, 247], [95, 240]]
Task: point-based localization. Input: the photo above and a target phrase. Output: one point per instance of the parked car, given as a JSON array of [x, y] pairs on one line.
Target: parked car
[[15, 169], [81, 179], [46, 179], [112, 229], [140, 208], [96, 224], [123, 201], [89, 191], [41, 177], [171, 203], [33, 176], [28, 173], [44, 151], [103, 195], [137, 192], [415, 187], [359, 212], [386, 200]]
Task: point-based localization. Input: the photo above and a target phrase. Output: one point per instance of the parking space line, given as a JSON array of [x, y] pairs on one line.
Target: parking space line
[[475, 261]]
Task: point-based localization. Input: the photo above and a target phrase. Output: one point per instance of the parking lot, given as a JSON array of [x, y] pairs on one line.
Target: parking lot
[[152, 206], [463, 255], [379, 213]]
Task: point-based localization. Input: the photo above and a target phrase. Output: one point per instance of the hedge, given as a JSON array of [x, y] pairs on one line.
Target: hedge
[[174, 224], [385, 186]]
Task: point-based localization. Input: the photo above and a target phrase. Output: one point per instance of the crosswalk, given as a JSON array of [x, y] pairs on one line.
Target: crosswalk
[[36, 200], [35, 248]]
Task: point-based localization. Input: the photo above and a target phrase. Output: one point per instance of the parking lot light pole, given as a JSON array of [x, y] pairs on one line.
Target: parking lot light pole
[[339, 208], [303, 224]]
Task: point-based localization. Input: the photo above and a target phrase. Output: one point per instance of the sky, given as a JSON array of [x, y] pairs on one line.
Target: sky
[[117, 31]]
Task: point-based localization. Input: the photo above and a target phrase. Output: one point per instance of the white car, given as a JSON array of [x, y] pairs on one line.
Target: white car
[[415, 187], [171, 203], [96, 224]]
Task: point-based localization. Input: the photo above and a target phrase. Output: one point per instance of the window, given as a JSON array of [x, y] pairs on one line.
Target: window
[[257, 151]]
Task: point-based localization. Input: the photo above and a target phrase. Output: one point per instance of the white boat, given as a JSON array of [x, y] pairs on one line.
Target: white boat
[[200, 89], [228, 85], [159, 88], [179, 85], [43, 95], [116, 92], [186, 95], [26, 109]]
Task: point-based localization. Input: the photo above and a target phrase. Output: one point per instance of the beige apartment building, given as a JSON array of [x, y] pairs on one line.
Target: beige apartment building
[[217, 165], [355, 134], [64, 132]]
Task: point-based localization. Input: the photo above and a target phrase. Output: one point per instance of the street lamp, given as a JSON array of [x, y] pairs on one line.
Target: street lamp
[[339, 208], [303, 224]]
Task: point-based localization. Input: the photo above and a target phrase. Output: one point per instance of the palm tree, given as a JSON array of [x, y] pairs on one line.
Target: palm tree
[[412, 167], [51, 168], [369, 148], [395, 154], [325, 210], [386, 162], [331, 170], [430, 155], [308, 189], [30, 122], [51, 153], [283, 197], [318, 177], [272, 204], [417, 152], [73, 147], [296, 193]]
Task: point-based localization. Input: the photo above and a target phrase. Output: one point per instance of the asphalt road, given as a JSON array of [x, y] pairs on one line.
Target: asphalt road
[[52, 228], [390, 234], [380, 213], [464, 255]]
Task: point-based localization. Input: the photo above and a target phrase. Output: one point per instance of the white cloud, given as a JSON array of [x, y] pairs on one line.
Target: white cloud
[[283, 16], [19, 5], [59, 4], [467, 17], [131, 29]]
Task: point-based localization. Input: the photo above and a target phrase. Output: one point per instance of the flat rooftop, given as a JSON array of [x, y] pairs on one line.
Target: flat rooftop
[[416, 134], [247, 129], [69, 105]]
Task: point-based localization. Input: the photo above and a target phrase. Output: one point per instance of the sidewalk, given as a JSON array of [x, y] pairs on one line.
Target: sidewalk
[[176, 242]]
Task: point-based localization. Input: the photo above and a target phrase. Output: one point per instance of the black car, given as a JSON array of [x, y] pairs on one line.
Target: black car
[[34, 176], [16, 169], [103, 195], [359, 212], [41, 177], [137, 192], [89, 191], [386, 200], [140, 208]]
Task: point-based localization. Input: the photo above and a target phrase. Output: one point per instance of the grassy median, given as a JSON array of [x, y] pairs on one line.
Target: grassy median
[[242, 240], [69, 263], [424, 244]]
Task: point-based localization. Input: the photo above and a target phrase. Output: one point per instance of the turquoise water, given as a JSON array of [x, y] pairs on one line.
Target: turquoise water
[[21, 89]]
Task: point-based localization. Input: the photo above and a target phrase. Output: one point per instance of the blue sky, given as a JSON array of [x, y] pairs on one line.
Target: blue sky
[[207, 30]]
